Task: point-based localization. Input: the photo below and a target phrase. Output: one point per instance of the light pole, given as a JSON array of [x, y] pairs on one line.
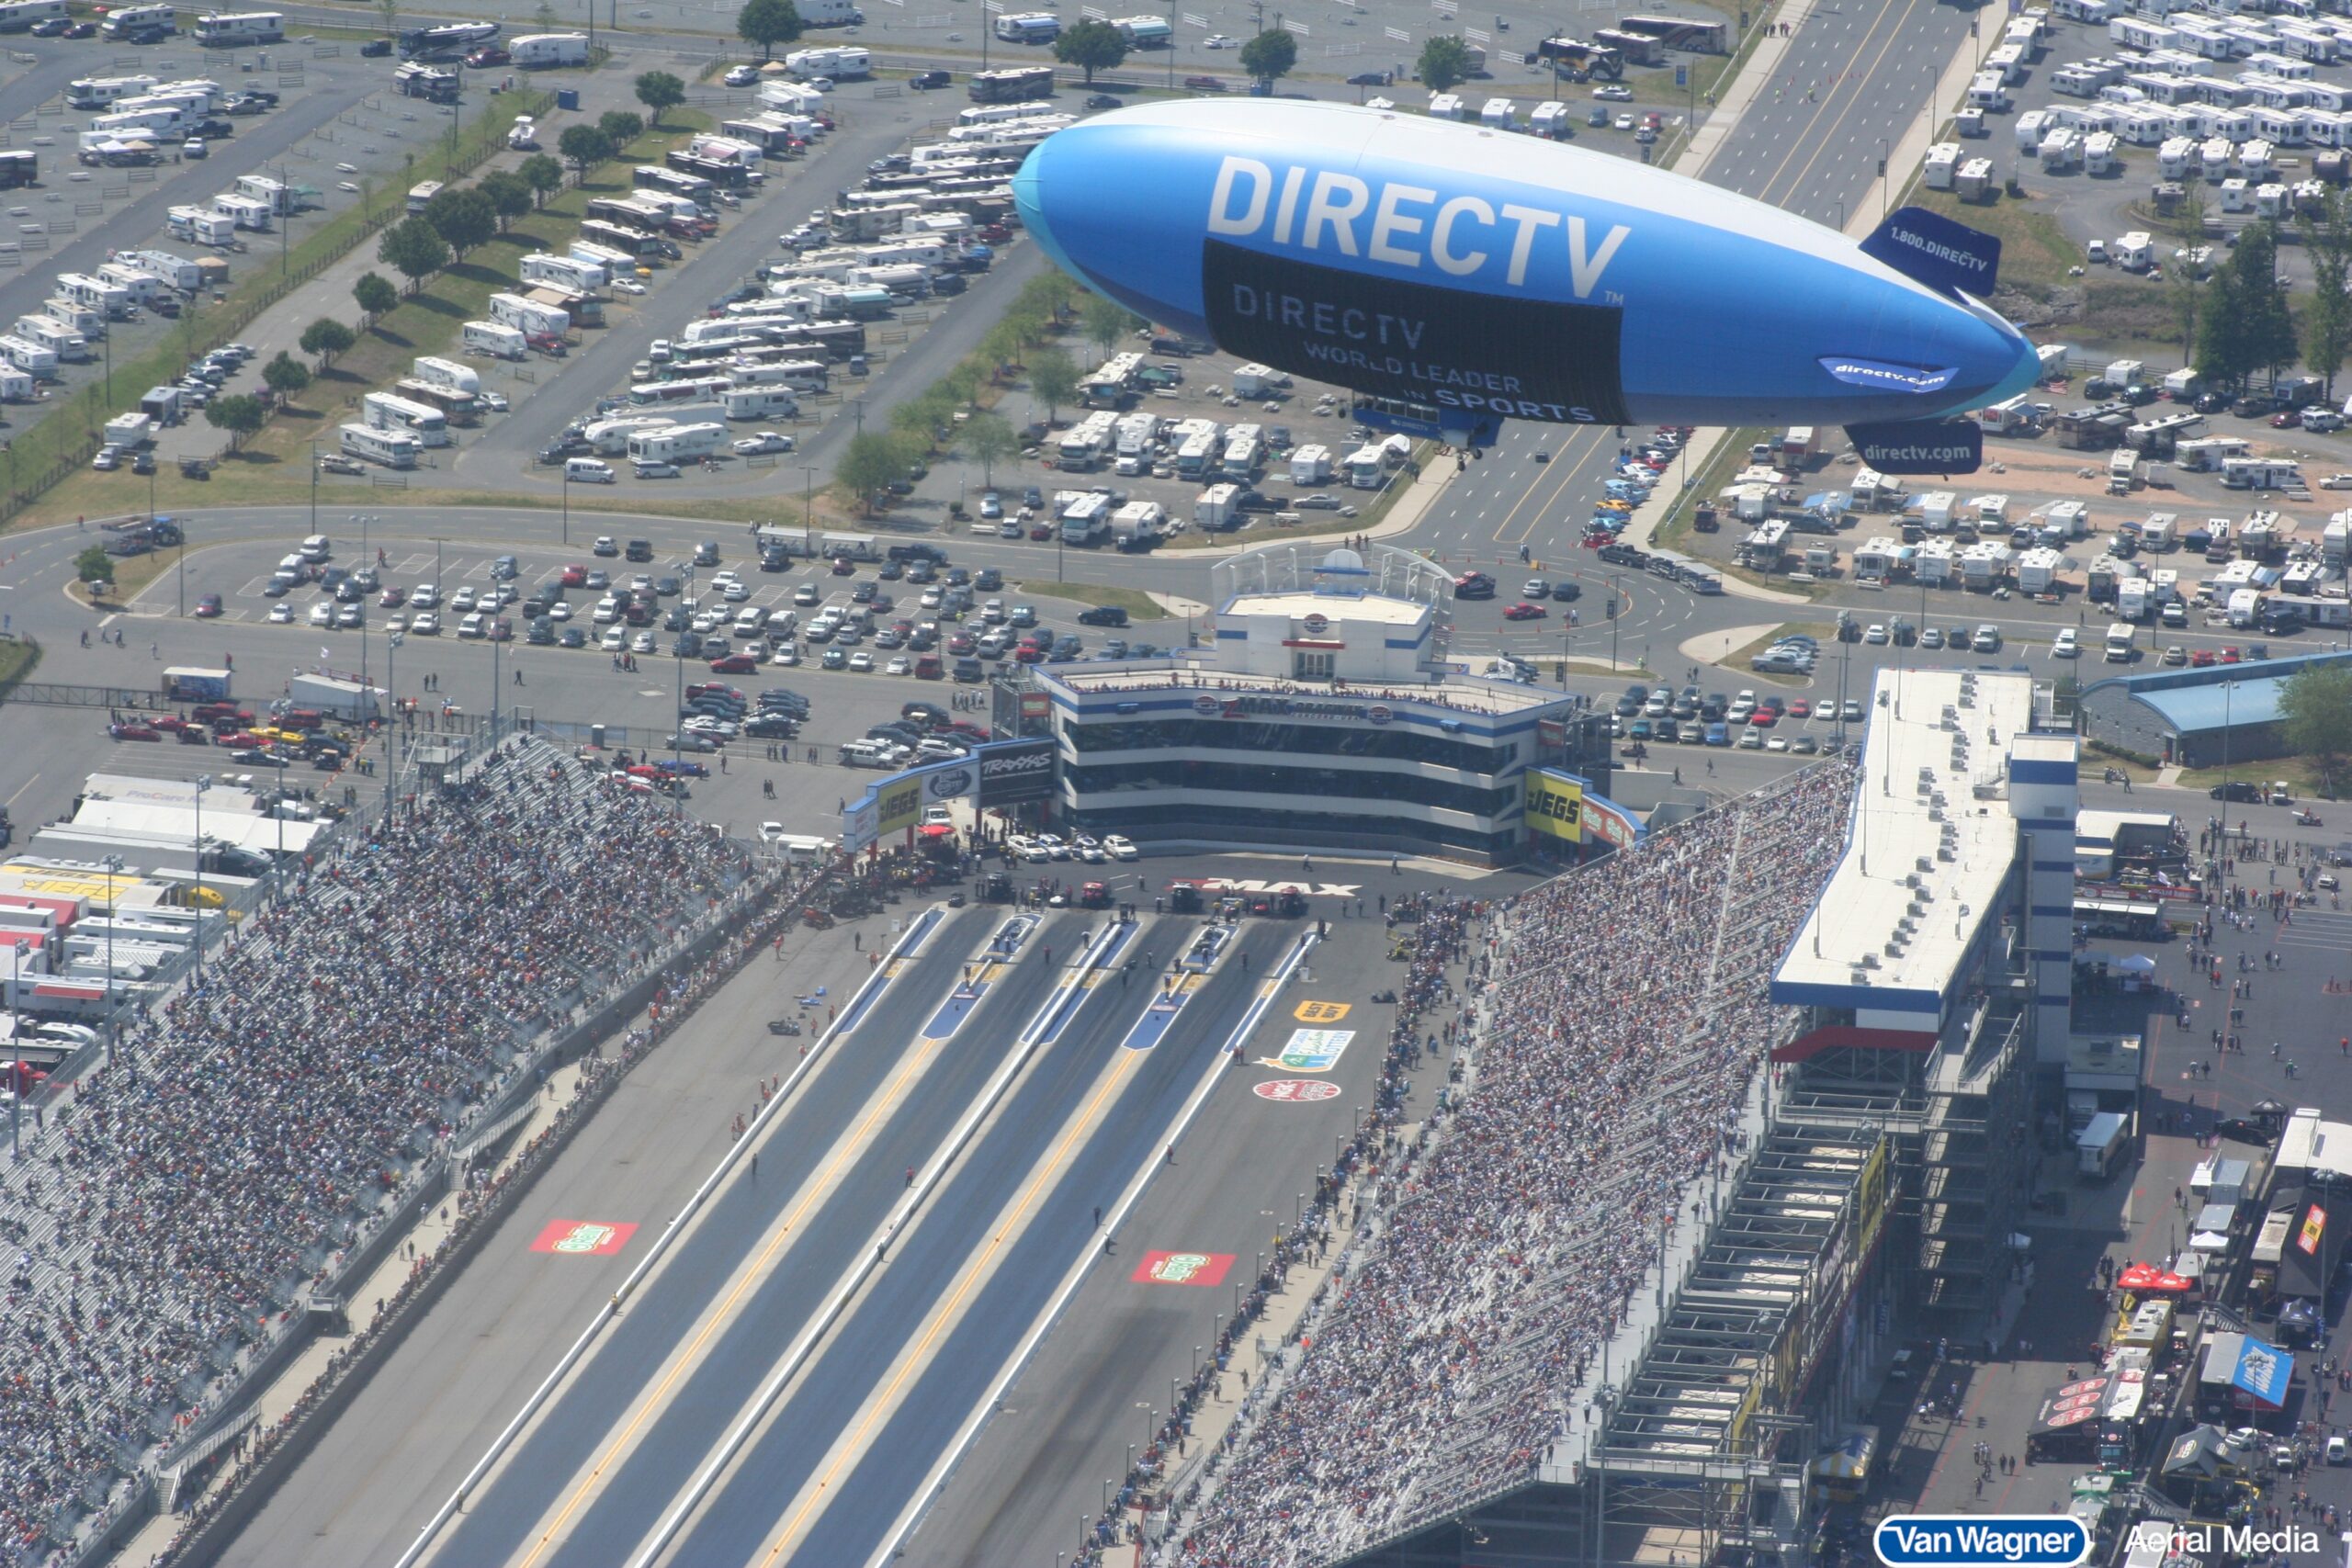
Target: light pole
[[567, 503], [203, 783], [808, 504], [16, 1065], [314, 487], [365, 565], [179, 572], [391, 742], [113, 863]]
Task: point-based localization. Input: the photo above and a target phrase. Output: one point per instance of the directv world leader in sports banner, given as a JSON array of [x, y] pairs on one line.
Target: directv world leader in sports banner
[[1017, 772]]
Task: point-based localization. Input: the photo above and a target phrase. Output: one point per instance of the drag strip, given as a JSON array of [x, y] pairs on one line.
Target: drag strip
[[827, 1476], [514, 1517]]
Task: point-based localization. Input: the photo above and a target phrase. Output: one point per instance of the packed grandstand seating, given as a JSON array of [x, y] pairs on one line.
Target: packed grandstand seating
[[242, 1129], [1628, 1020]]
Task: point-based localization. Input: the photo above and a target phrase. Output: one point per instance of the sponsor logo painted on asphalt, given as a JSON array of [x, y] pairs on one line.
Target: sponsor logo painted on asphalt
[[1311, 1050], [1321, 1012], [1295, 1091], [584, 1238], [1182, 1268]]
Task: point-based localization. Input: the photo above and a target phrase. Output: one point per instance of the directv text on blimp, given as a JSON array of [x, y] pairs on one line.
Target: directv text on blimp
[[1957, 1540]]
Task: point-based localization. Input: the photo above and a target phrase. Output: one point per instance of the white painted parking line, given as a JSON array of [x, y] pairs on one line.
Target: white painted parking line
[[253, 590]]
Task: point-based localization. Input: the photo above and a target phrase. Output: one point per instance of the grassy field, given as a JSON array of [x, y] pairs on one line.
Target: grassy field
[[18, 660], [2301, 775], [1139, 606], [1673, 532], [130, 576]]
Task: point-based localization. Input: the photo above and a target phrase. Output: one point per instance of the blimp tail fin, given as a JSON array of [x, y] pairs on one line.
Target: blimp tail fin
[[1929, 248]]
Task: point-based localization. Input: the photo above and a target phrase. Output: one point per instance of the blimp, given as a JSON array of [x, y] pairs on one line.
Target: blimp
[[1456, 276]]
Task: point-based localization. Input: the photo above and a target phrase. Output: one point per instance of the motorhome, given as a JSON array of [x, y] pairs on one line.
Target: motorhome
[[103, 92], [144, 287], [744, 403], [390, 448], [231, 30], [30, 357]]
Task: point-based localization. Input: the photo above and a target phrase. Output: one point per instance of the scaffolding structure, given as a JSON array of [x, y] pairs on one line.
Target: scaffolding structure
[[1701, 1450], [1958, 1117]]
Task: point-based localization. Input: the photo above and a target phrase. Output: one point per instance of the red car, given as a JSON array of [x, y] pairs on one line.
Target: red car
[[844, 567], [1763, 718], [487, 56], [134, 732], [1028, 653], [1041, 531], [241, 738], [1523, 611], [574, 575], [392, 598], [2229, 656], [220, 713], [734, 664], [208, 607], [961, 645], [2288, 419], [169, 721], [704, 688], [1800, 708], [2201, 658]]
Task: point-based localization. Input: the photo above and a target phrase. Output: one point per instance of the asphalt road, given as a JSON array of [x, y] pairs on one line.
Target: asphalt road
[[1094, 1107], [1066, 1423], [363, 1492], [882, 1102]]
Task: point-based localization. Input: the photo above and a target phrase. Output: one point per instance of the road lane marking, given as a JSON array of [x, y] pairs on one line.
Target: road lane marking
[[979, 1267]]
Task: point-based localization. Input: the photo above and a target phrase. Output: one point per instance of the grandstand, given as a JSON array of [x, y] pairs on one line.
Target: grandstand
[[1628, 1300]]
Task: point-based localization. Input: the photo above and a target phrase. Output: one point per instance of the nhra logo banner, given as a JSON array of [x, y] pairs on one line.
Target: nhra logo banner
[[1555, 805], [1015, 773]]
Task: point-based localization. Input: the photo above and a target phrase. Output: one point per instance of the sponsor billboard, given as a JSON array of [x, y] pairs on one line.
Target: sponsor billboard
[[1015, 771], [1555, 804], [1611, 823], [2314, 1226], [2262, 1372]]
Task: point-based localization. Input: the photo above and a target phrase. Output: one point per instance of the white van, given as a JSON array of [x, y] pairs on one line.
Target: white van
[[588, 471], [316, 547]]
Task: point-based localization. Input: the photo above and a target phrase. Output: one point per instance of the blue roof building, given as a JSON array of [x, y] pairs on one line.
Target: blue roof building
[[2198, 718]]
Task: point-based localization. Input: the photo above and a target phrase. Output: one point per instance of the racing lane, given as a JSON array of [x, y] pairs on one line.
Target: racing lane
[[829, 1472], [579, 1424]]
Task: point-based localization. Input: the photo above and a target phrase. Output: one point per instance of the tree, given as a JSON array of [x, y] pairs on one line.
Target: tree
[[2221, 358], [414, 249], [2327, 319], [2187, 279], [658, 90], [1003, 344], [2315, 719], [376, 295], [586, 145], [872, 461], [1270, 55], [327, 338], [989, 438], [621, 127], [464, 219], [919, 418], [768, 23], [2262, 294], [240, 414], [1107, 321], [1445, 62], [543, 175], [286, 375], [1052, 376], [509, 195], [1091, 46], [94, 565]]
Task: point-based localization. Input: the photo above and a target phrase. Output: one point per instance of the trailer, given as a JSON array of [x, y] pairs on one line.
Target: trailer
[[449, 372], [496, 339], [351, 701], [529, 317], [390, 448], [189, 683], [546, 51]]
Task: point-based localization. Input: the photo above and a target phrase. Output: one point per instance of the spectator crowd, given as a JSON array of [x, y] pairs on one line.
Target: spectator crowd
[[1627, 1018], [248, 1132]]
